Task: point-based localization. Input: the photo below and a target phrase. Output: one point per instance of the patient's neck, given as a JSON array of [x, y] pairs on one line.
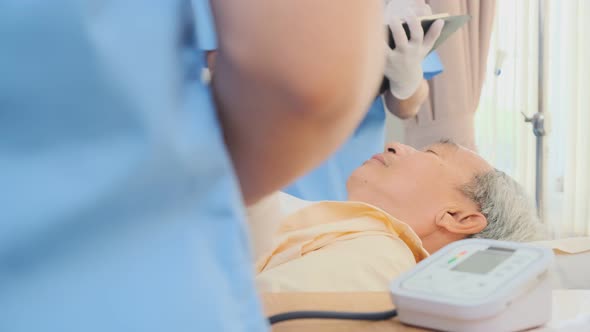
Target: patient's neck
[[438, 239], [413, 214]]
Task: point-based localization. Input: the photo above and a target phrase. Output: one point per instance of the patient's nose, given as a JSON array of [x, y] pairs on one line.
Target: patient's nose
[[398, 149]]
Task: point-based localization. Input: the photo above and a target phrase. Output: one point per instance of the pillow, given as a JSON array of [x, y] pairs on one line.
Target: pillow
[[572, 261]]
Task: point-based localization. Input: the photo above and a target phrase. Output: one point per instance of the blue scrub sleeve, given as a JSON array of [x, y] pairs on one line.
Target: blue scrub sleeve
[[205, 27], [432, 66]]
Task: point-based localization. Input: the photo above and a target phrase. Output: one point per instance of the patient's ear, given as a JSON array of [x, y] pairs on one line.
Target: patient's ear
[[462, 222]]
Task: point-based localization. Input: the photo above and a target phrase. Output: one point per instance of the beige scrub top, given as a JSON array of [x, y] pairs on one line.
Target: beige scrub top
[[338, 246]]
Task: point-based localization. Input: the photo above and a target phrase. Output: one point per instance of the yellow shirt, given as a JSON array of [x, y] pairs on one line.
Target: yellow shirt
[[338, 246]]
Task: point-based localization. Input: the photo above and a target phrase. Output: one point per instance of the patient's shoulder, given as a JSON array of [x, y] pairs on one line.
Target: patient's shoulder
[[367, 263]]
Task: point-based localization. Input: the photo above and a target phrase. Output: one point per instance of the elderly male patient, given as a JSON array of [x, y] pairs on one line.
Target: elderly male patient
[[402, 205]]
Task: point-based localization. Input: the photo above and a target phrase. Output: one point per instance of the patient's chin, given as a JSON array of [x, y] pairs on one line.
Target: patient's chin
[[354, 188], [356, 182]]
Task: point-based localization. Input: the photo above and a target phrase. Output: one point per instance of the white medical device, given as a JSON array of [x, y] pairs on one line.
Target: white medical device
[[477, 285]]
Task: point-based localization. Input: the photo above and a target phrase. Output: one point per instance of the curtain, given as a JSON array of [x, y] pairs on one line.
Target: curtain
[[511, 87], [454, 94], [568, 95]]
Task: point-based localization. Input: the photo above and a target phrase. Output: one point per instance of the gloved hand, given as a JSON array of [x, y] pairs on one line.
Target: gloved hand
[[405, 8], [403, 66]]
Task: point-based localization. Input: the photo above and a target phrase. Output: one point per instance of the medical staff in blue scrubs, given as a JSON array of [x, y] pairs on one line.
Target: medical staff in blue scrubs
[[407, 66], [328, 181], [120, 210]]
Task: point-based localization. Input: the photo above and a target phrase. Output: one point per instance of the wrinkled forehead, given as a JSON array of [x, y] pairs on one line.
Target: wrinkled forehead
[[446, 144], [464, 160]]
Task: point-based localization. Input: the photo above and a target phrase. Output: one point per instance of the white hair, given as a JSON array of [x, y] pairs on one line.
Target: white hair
[[507, 208]]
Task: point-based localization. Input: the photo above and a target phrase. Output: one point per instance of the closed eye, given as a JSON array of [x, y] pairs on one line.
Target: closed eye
[[431, 151]]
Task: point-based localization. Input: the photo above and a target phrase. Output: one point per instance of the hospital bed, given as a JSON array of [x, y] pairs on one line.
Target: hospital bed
[[570, 276]]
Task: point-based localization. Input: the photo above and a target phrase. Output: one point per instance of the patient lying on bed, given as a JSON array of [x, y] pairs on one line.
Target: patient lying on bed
[[403, 204]]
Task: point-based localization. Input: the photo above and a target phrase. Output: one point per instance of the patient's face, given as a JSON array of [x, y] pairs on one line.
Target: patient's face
[[416, 185]]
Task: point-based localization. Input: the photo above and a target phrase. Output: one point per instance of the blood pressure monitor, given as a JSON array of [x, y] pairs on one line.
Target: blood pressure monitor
[[477, 285]]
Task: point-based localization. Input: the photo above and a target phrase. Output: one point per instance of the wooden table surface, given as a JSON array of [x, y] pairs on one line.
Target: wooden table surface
[[567, 305]]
